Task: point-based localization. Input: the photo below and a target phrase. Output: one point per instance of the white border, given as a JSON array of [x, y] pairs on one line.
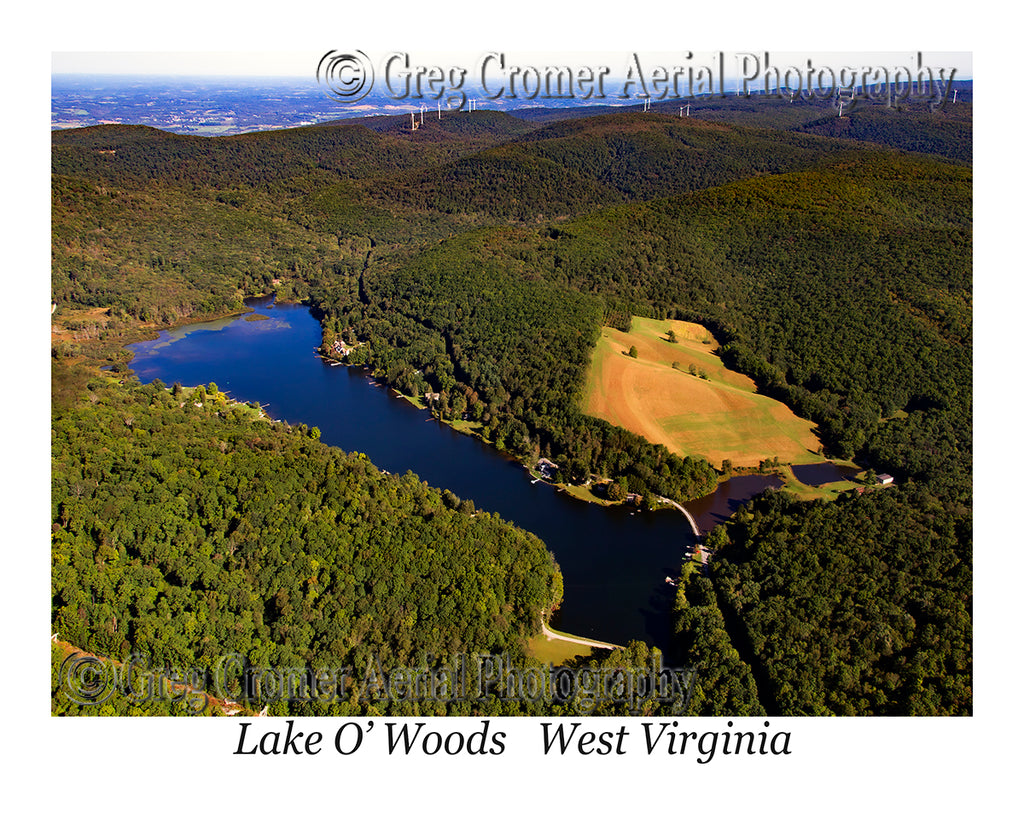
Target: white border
[[839, 767]]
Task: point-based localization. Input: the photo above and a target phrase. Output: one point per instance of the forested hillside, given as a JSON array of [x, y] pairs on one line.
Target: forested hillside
[[186, 533], [862, 606], [476, 259], [844, 292], [920, 125]]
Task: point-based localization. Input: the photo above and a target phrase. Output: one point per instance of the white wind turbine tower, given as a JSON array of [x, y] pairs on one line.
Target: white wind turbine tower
[[842, 101]]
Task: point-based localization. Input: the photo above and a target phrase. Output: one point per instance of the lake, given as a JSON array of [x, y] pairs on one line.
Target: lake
[[614, 561]]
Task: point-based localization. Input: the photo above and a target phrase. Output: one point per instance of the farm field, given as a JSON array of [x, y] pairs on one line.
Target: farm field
[[720, 417]]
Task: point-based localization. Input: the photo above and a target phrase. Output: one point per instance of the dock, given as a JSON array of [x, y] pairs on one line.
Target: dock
[[693, 524]]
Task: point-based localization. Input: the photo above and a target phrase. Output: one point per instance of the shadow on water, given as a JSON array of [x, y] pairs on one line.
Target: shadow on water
[[614, 560], [822, 473], [721, 504]]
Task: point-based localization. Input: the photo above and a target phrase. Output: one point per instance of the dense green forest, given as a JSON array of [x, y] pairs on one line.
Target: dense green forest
[[723, 681], [862, 606], [476, 259]]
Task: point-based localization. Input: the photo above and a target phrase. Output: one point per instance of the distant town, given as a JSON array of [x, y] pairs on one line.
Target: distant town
[[221, 106], [214, 106]]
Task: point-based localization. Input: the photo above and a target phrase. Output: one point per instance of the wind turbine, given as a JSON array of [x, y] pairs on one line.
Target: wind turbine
[[841, 102]]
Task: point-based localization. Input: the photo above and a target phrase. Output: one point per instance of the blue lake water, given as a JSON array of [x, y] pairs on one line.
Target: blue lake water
[[614, 561]]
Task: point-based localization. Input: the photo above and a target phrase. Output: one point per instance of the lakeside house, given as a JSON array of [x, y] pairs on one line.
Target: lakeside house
[[547, 469], [885, 479]]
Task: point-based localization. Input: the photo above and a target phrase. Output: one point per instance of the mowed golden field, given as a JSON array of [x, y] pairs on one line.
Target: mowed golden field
[[718, 418]]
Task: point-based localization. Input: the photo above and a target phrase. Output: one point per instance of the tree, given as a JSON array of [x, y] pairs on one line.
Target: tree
[[633, 352], [672, 339]]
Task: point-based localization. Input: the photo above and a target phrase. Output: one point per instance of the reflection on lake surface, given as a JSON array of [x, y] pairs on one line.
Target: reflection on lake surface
[[614, 560]]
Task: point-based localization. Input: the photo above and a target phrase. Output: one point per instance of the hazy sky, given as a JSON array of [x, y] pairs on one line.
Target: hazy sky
[[303, 63]]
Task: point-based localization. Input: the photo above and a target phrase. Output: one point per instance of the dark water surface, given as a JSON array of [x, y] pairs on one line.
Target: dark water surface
[[819, 474], [614, 561], [719, 506]]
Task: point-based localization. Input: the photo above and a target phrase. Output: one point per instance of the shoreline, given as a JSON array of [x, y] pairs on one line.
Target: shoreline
[[151, 332], [550, 634], [572, 490], [581, 492]]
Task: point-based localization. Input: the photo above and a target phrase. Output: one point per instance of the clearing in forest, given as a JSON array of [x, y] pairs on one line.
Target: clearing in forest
[[657, 395]]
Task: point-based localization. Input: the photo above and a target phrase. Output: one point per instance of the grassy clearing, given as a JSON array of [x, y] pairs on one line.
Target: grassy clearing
[[555, 651], [661, 395], [465, 427], [584, 493]]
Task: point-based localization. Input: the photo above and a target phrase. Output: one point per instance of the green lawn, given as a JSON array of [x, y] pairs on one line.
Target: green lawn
[[555, 651]]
